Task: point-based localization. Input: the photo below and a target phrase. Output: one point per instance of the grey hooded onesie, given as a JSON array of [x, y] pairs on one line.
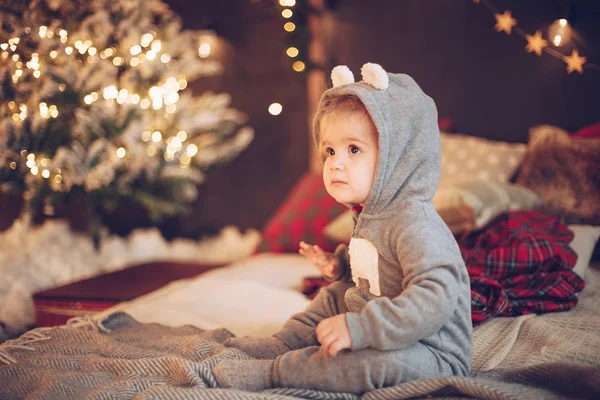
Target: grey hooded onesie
[[409, 315]]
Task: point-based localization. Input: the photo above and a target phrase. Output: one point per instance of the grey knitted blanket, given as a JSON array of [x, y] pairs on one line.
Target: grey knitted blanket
[[121, 358]]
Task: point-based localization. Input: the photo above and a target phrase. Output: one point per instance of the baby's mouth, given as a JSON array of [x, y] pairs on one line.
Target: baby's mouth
[[338, 182]]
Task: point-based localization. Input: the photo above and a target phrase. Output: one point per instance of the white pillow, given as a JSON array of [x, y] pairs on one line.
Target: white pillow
[[466, 158], [487, 199], [583, 243]]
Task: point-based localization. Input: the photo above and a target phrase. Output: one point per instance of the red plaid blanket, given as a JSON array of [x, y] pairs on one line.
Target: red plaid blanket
[[518, 263]]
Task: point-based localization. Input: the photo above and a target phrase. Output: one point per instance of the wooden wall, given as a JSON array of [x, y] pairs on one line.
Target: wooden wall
[[484, 80]]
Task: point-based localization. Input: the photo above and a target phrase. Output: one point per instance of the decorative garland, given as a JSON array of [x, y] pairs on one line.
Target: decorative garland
[[536, 43]]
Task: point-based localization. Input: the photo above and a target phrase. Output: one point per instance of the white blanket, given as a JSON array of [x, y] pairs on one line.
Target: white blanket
[[252, 297]]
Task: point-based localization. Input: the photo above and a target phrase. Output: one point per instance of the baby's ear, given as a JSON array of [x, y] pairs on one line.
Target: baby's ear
[[341, 75]]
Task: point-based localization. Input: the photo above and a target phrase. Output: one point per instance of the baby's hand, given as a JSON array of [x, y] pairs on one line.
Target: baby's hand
[[334, 335], [325, 262]]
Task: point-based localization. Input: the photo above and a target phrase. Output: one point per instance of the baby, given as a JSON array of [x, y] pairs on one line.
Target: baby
[[399, 308]]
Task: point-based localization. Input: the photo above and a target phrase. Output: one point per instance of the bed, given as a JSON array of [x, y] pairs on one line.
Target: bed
[[164, 344]]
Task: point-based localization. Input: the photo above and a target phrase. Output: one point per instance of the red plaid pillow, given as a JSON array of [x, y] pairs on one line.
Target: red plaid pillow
[[302, 216]]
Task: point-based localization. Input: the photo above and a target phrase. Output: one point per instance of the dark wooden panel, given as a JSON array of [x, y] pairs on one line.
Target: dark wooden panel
[[482, 79]]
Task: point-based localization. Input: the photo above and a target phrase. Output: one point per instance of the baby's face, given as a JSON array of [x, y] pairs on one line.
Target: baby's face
[[349, 146]]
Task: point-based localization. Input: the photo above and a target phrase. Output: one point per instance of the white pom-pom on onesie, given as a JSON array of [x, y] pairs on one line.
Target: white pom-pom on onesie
[[341, 75], [375, 75]]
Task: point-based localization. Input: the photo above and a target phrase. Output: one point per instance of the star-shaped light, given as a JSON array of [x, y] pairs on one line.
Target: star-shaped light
[[536, 43], [575, 62], [505, 22]]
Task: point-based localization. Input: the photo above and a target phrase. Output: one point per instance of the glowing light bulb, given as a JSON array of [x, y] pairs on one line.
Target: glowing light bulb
[[182, 135], [135, 50], [121, 152], [275, 109], [560, 32], [204, 50], [146, 39], [292, 52], [289, 26], [298, 66], [191, 150], [156, 46], [556, 40], [287, 13]]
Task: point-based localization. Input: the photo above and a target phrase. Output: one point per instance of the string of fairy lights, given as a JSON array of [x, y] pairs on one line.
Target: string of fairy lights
[[558, 35], [293, 21], [163, 95], [288, 13]]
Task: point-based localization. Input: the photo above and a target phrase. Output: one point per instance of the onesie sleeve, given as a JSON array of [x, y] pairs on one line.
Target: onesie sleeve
[[343, 264], [433, 274]]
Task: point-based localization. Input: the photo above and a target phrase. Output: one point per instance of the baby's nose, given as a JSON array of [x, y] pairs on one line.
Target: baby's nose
[[339, 163]]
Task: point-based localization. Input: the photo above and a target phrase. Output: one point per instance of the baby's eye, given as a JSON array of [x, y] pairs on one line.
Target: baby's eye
[[354, 149], [329, 151]]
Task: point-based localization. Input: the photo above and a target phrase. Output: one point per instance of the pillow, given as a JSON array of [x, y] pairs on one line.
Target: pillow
[[303, 216], [465, 158], [585, 238], [446, 124], [463, 207], [590, 131], [486, 199], [459, 218], [565, 173]]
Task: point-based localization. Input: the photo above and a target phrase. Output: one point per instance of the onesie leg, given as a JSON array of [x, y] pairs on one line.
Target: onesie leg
[[253, 375], [299, 330], [267, 348], [356, 371]]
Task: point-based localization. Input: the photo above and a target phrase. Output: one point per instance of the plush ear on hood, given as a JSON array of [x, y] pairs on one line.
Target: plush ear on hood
[[373, 74], [341, 75]]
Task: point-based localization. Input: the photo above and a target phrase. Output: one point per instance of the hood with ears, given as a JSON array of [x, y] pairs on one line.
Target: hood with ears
[[408, 165]]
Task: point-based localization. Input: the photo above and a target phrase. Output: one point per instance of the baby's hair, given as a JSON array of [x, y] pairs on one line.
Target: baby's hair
[[344, 104]]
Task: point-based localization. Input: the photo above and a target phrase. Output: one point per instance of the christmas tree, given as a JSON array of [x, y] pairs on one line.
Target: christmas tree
[[92, 104]]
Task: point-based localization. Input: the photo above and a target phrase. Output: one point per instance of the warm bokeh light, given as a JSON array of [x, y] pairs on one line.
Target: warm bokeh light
[[292, 52], [275, 109], [191, 150], [560, 32], [156, 136], [298, 66], [204, 50]]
